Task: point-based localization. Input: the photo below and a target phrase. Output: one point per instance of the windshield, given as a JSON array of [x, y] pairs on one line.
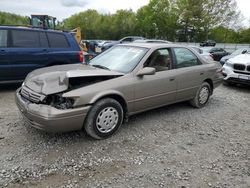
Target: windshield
[[237, 52], [119, 58]]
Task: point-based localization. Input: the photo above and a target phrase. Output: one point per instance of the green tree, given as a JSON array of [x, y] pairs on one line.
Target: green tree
[[204, 15], [158, 19], [123, 23], [88, 21], [13, 19], [217, 12], [224, 35], [244, 36]]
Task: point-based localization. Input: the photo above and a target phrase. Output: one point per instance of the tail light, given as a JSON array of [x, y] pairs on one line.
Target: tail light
[[81, 57], [219, 70]]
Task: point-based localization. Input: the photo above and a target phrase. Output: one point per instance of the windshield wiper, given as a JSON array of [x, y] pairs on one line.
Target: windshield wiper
[[101, 66]]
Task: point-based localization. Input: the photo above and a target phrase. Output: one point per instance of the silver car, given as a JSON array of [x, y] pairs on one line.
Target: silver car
[[125, 80]]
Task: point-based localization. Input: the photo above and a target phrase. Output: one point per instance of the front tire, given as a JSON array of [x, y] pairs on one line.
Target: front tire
[[104, 118], [202, 96]]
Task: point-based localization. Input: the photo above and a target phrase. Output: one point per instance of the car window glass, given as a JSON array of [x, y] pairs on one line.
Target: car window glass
[[218, 50], [57, 40], [185, 58], [43, 40], [237, 52], [160, 60], [212, 50], [127, 40], [25, 39], [3, 38], [120, 58]]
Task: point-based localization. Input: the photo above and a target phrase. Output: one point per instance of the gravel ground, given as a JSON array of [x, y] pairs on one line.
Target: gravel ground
[[174, 146]]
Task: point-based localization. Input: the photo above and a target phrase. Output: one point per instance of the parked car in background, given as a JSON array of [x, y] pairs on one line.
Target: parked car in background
[[123, 40], [235, 53], [204, 54], [208, 43], [217, 53], [237, 69], [23, 50], [153, 41], [122, 81]]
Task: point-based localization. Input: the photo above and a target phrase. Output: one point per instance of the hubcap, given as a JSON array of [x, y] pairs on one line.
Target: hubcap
[[107, 120], [203, 96]]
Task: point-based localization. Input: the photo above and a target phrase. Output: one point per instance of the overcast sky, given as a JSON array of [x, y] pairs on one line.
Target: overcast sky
[[65, 8]]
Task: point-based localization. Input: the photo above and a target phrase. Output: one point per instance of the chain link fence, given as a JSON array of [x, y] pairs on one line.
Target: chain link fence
[[227, 46]]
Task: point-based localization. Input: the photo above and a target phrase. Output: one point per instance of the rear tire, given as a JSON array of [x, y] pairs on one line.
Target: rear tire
[[202, 96], [104, 118]]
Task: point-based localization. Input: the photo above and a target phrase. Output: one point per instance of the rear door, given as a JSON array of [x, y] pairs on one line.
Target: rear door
[[4, 56], [190, 73], [28, 52], [60, 51]]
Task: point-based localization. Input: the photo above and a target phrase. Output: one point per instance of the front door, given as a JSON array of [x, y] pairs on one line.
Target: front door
[[159, 89]]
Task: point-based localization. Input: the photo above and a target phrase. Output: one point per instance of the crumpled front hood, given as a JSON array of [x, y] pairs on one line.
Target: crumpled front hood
[[243, 59], [55, 79]]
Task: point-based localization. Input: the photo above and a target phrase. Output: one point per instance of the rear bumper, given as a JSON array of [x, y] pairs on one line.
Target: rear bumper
[[50, 119]]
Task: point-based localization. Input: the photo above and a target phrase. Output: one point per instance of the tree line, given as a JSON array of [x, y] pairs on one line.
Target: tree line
[[173, 20]]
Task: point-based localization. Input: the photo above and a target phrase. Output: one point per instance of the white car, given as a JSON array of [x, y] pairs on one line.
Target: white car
[[237, 69]]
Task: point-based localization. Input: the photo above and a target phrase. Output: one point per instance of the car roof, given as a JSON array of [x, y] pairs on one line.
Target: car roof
[[31, 29], [152, 41], [152, 45]]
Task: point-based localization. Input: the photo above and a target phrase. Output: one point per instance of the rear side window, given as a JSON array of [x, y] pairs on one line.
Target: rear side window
[[185, 58], [57, 40], [25, 39], [3, 38]]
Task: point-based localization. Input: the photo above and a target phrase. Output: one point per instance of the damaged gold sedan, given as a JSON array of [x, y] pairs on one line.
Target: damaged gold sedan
[[122, 81]]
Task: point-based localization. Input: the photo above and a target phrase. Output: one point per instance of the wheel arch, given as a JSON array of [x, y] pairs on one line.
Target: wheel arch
[[210, 82], [114, 95]]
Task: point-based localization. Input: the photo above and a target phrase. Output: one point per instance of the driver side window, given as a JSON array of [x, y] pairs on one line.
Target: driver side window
[[160, 60]]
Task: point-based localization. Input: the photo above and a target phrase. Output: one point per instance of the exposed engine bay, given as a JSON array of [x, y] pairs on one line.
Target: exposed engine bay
[[56, 99]]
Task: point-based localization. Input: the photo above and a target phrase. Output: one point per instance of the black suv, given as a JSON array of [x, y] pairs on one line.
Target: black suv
[[24, 49], [208, 43]]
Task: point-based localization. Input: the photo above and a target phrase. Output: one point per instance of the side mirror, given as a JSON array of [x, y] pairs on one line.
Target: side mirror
[[146, 71]]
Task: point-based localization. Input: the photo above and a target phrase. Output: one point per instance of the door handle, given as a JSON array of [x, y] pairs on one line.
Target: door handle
[[201, 73], [171, 79]]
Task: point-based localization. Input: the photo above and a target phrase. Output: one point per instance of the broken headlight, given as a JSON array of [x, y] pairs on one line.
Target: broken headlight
[[60, 102]]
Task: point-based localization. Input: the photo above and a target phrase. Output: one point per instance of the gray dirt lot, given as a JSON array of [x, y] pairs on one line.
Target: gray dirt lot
[[174, 146]]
